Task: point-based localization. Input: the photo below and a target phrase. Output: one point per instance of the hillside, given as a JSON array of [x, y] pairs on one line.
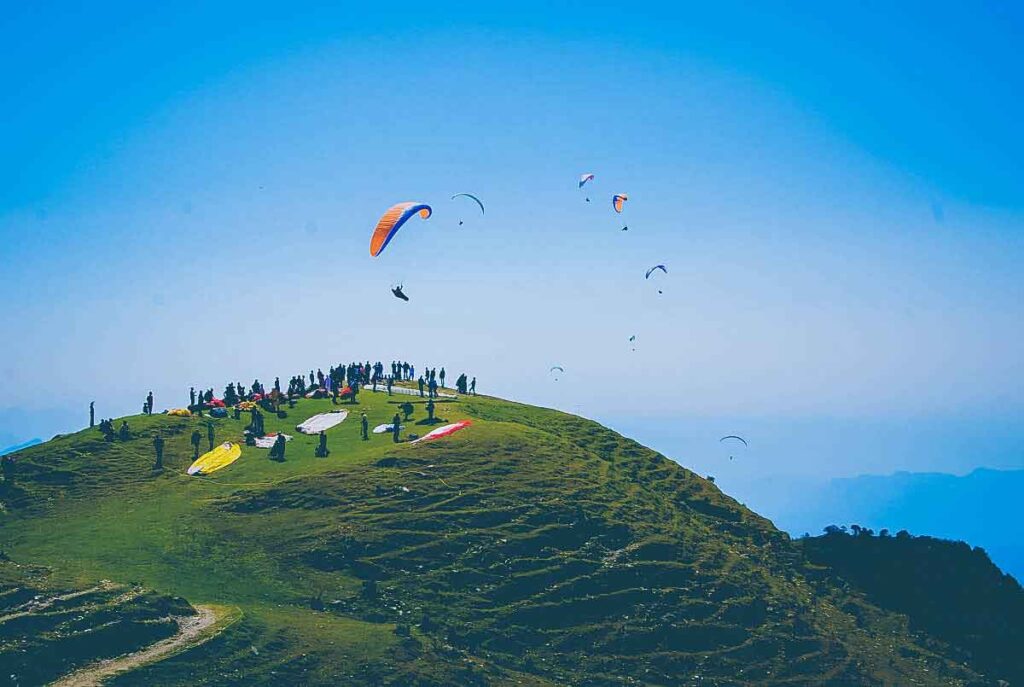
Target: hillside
[[533, 548], [948, 590]]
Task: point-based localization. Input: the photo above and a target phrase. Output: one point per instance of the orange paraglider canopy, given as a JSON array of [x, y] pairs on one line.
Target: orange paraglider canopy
[[391, 221]]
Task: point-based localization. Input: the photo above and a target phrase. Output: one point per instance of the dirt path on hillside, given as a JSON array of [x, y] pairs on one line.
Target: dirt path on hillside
[[192, 631], [36, 605]]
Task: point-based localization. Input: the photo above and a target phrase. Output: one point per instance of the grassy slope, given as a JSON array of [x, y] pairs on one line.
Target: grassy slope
[[540, 548], [48, 629]]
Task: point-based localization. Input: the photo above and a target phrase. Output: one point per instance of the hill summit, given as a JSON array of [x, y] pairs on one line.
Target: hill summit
[[532, 548]]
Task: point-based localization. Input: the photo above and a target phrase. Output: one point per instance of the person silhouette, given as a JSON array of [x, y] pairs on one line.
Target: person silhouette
[[396, 427], [158, 446]]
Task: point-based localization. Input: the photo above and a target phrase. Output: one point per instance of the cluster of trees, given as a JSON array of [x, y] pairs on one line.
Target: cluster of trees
[[858, 531]]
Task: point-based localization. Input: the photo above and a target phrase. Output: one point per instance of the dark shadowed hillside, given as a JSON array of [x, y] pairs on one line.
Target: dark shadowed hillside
[[948, 590]]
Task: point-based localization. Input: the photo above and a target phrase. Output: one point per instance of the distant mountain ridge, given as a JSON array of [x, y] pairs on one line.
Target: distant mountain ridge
[[18, 447], [982, 507]]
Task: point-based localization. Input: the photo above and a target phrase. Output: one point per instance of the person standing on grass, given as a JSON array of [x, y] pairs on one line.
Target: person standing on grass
[[92, 414], [391, 381], [158, 446], [196, 439], [472, 386], [420, 382], [396, 427], [365, 423], [277, 450], [321, 449], [191, 396], [209, 433], [430, 410], [149, 403], [441, 375]]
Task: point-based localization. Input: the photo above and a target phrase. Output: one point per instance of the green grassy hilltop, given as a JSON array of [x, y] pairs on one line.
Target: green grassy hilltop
[[532, 548]]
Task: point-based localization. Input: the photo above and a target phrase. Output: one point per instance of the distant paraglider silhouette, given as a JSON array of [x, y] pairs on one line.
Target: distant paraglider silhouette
[[584, 178], [734, 438], [397, 290], [472, 197], [653, 270]]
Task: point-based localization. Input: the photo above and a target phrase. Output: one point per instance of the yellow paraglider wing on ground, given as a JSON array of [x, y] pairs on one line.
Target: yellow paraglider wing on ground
[[220, 457]]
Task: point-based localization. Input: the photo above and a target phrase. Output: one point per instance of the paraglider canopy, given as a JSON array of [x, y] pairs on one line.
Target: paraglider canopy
[[617, 200], [391, 221], [472, 197], [584, 178], [557, 367], [652, 270]]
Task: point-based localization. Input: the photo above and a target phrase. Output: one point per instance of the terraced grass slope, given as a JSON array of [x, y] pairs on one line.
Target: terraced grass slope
[[533, 548], [47, 631]]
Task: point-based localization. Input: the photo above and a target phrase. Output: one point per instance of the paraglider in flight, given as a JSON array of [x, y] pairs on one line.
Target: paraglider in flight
[[398, 293], [617, 200], [559, 368], [391, 221], [632, 339], [584, 178], [735, 438], [653, 270], [471, 196], [625, 228]]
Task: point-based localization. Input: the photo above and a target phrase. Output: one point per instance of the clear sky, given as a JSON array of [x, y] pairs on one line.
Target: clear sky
[[187, 193]]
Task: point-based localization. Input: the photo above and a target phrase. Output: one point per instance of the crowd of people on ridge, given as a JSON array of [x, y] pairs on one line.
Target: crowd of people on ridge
[[341, 382]]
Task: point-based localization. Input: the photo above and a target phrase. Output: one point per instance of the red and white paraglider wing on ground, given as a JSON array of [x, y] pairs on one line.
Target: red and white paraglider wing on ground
[[442, 432]]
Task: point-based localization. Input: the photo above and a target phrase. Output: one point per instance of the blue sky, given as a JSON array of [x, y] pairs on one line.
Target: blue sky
[[187, 194]]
